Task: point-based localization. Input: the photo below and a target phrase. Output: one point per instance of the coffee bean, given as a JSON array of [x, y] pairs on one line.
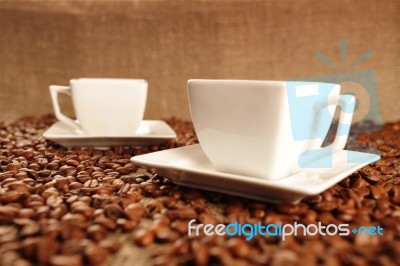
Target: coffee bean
[[61, 183], [82, 208], [113, 211], [91, 183], [96, 232], [370, 175], [58, 212], [378, 192], [72, 162], [148, 188], [186, 213], [288, 208], [7, 213], [127, 225], [64, 260], [180, 225], [163, 236], [144, 237], [46, 248], [26, 213], [359, 183], [13, 167], [6, 175], [21, 175], [10, 196], [95, 254], [87, 191], [201, 253], [108, 223], [206, 218], [117, 183], [30, 229], [123, 170], [34, 166], [76, 197], [50, 192], [154, 206], [238, 247], [111, 245], [135, 211]]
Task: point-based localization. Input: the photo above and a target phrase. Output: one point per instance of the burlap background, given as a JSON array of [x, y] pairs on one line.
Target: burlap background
[[169, 41]]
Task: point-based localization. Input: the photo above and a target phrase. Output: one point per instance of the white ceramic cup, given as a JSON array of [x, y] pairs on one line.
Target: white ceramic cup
[[103, 107], [267, 129]]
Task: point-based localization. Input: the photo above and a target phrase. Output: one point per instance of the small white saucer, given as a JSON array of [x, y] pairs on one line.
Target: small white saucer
[[189, 166], [149, 132]]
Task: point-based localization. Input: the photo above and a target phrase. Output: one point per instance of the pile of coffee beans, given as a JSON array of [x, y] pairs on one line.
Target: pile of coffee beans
[[79, 206]]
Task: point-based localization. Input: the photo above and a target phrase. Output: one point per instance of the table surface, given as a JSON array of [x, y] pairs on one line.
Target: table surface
[[93, 207]]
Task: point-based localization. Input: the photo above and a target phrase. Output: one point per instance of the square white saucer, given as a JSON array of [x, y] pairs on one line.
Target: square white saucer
[[189, 166], [149, 132]]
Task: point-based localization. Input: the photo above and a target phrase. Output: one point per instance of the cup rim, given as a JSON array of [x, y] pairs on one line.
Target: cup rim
[[258, 81], [108, 80]]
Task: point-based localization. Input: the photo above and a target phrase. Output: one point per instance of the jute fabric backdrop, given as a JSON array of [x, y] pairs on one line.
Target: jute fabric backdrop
[[169, 42]]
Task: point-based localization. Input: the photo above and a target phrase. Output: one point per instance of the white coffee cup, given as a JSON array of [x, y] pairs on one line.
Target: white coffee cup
[[103, 106], [267, 129]]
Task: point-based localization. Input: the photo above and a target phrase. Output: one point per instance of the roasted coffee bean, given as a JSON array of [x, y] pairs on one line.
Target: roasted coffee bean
[[26, 213], [21, 175], [326, 206], [148, 188], [10, 196], [113, 211], [186, 213], [127, 225], [201, 253], [370, 174], [13, 167], [111, 245], [95, 254], [180, 225], [108, 223], [46, 248], [91, 183], [19, 186], [73, 200], [82, 208], [144, 237], [50, 192], [30, 229], [117, 183], [135, 211], [154, 206], [75, 186], [238, 247], [163, 236], [7, 213], [288, 208], [64, 260], [72, 162], [6, 175], [96, 232], [61, 183], [378, 192]]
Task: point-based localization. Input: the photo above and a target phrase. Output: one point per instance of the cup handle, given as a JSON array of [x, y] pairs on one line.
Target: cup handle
[[347, 104], [54, 91], [311, 158]]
